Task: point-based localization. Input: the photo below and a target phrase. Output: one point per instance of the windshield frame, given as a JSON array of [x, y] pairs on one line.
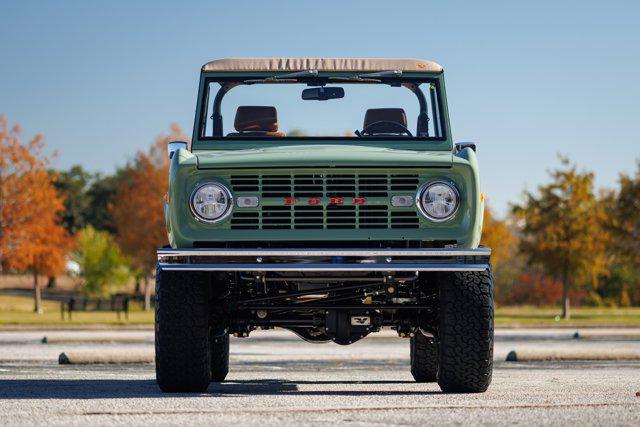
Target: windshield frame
[[438, 143]]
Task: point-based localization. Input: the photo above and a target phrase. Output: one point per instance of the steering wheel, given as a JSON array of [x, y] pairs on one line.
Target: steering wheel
[[370, 129]]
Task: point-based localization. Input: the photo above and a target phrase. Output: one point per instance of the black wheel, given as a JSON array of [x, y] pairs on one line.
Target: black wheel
[[424, 358], [465, 332], [219, 356], [183, 358]]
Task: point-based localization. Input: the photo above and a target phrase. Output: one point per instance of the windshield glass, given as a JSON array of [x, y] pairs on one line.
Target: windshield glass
[[273, 110]]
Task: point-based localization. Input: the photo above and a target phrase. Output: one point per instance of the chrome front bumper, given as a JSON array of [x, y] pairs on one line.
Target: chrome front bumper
[[384, 260]]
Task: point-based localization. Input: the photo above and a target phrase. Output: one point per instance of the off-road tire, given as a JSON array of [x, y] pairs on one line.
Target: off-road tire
[[183, 358], [424, 358], [465, 332], [219, 356]]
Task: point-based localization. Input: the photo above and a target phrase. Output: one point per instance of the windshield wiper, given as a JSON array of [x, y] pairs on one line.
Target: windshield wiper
[[381, 74], [285, 78], [368, 77], [378, 74], [357, 79]]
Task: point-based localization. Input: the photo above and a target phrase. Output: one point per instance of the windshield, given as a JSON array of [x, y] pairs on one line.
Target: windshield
[[350, 107]]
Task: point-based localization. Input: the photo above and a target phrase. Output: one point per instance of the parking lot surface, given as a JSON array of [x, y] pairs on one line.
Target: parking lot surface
[[276, 378]]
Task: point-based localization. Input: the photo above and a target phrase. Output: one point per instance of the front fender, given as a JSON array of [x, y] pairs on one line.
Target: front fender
[[180, 158], [471, 158]]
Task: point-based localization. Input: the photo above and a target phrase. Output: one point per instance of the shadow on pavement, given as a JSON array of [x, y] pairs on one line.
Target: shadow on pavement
[[118, 389]]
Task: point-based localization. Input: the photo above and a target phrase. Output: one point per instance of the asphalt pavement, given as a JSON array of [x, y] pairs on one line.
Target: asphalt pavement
[[278, 379]]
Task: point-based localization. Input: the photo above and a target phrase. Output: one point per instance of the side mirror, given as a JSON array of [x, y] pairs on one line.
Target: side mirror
[[462, 145], [322, 93], [174, 146]]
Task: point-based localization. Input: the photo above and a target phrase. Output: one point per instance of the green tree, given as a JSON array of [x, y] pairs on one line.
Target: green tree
[[100, 193], [102, 265], [72, 185], [87, 197], [561, 228]]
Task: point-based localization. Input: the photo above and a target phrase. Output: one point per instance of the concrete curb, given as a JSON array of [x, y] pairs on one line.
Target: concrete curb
[[105, 357], [530, 355], [602, 335], [108, 338]]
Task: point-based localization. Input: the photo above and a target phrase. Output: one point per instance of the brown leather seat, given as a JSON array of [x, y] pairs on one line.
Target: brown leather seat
[[383, 116], [256, 121]]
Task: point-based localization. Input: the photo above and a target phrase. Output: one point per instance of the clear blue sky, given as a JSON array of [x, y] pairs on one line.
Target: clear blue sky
[[526, 80]]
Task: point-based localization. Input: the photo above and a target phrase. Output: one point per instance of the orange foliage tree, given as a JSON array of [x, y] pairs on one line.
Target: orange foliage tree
[[137, 209], [497, 236], [562, 232], [31, 237]]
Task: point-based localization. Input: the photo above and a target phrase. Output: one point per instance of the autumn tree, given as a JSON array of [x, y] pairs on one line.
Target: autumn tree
[[497, 235], [622, 221], [137, 210], [31, 237], [560, 227]]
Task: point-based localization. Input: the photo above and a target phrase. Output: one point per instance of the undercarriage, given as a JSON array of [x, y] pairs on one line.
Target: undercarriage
[[319, 306], [339, 295], [440, 298]]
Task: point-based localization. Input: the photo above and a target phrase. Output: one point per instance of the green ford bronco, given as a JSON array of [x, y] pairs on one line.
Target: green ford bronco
[[364, 215]]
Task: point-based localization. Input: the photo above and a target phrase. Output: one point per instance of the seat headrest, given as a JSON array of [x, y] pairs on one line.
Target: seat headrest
[[256, 119], [374, 115]]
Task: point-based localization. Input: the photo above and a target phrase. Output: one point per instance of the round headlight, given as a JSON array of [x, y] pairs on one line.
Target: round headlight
[[438, 201], [211, 202]]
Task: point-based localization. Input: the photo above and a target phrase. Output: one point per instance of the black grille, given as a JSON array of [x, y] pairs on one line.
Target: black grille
[[324, 185], [325, 216]]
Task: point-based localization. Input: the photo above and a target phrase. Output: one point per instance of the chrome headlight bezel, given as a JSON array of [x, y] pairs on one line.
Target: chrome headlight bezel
[[227, 211], [421, 208]]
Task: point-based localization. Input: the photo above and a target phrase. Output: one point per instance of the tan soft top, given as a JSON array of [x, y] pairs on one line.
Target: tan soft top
[[321, 64]]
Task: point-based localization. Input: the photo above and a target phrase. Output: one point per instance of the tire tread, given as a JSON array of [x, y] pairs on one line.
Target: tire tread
[[466, 331], [183, 359], [424, 358]]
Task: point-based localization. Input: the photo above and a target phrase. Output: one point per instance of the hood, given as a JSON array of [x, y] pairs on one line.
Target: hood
[[322, 156]]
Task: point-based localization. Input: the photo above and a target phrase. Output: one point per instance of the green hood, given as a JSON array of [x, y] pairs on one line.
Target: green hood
[[322, 155]]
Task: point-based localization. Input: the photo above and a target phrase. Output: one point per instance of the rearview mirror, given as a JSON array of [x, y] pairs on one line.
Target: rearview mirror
[[322, 93], [174, 146]]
